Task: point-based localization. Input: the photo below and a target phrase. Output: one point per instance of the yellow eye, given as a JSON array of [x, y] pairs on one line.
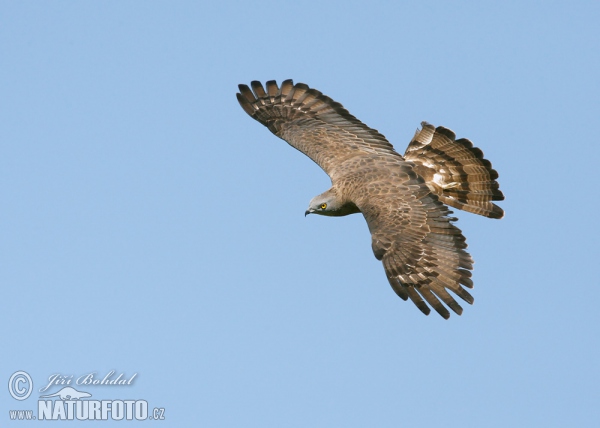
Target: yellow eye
[[323, 206]]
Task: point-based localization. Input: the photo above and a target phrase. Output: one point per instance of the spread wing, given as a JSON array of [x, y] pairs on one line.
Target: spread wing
[[311, 122], [422, 252]]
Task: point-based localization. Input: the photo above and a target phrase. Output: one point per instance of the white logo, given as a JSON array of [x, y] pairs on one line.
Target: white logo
[[14, 385], [69, 403], [68, 393]]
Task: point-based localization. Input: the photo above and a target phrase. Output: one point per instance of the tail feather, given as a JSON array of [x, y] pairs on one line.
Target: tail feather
[[455, 171]]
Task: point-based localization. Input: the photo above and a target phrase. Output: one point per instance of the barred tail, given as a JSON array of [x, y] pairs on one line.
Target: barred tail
[[455, 171]]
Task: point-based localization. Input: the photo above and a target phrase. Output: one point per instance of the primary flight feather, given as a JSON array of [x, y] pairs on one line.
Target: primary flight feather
[[401, 197]]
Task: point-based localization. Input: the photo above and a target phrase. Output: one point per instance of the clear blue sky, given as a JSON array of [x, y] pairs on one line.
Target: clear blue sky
[[149, 226]]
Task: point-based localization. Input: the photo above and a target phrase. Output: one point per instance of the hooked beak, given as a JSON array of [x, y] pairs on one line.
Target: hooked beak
[[309, 211]]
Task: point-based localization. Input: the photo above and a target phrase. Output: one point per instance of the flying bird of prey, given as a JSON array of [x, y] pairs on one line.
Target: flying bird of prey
[[403, 198]]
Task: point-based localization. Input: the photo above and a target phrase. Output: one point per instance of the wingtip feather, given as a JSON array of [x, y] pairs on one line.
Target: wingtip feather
[[247, 93], [245, 104], [258, 89]]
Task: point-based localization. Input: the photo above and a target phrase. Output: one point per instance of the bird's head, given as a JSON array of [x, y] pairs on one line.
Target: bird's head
[[329, 204]]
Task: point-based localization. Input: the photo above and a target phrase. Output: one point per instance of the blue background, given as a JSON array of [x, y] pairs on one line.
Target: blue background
[[149, 226]]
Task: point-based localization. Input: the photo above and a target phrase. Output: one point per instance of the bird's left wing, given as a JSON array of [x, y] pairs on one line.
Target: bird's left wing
[[422, 252], [311, 122]]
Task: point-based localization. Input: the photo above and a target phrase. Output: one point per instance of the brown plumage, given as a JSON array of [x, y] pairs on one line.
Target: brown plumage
[[401, 198], [455, 171]]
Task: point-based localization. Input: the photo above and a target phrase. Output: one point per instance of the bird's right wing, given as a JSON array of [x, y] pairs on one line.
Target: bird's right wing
[[311, 122], [422, 252]]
